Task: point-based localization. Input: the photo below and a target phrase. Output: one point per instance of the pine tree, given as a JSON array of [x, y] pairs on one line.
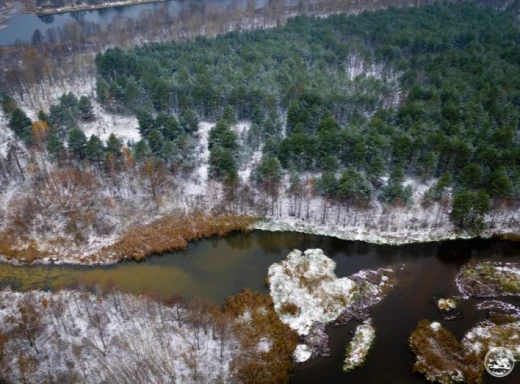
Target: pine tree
[[269, 169], [221, 161], [330, 164], [62, 120], [376, 170], [42, 116], [189, 121], [142, 150], [94, 150], [55, 146], [21, 125], [170, 153], [499, 184], [8, 105], [328, 184], [155, 141], [146, 122], [229, 115], [85, 108], [441, 186], [69, 100], [470, 177], [468, 210], [114, 145], [77, 142], [171, 129]]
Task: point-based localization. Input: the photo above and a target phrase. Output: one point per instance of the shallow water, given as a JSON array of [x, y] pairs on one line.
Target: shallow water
[[218, 268]]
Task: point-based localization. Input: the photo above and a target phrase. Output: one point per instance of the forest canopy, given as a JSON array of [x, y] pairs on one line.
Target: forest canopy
[[455, 68]]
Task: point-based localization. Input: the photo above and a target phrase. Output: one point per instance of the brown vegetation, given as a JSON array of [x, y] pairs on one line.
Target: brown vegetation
[[273, 366], [173, 233], [502, 318], [289, 309], [170, 233], [509, 236], [489, 279], [441, 355]]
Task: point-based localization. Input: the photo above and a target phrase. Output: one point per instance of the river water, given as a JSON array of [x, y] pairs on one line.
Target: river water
[[218, 268], [21, 27]]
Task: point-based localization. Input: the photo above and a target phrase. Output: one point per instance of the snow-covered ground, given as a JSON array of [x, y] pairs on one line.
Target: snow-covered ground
[[357, 350], [6, 136], [307, 281], [104, 124], [73, 336], [302, 353], [307, 295], [128, 201], [487, 335]]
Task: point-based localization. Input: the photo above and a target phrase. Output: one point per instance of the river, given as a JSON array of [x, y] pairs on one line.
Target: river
[[20, 27], [218, 268]]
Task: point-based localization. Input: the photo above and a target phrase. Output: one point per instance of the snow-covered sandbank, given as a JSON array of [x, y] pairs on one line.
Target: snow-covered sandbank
[[373, 236], [307, 296], [486, 335], [357, 350], [444, 359]]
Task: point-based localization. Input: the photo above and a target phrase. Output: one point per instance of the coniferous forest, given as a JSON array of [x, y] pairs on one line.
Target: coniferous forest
[[443, 101]]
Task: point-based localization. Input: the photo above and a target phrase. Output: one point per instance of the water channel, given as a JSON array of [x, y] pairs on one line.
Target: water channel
[[217, 268]]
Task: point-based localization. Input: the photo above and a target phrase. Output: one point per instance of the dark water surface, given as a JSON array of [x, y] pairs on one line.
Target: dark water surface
[[218, 268]]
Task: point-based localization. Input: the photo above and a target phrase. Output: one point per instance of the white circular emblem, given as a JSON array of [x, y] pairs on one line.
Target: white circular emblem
[[499, 361]]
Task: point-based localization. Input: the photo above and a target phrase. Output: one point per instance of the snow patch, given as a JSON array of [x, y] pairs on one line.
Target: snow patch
[[302, 353], [264, 345], [124, 127], [306, 291], [435, 326], [446, 304], [359, 347], [487, 335]]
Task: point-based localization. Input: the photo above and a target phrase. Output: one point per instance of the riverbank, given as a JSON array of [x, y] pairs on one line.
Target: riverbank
[[6, 13], [86, 7], [174, 233], [114, 212], [170, 233]]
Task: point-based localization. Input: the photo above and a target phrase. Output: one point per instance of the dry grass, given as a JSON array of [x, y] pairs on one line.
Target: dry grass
[[442, 355], [173, 233], [502, 318], [10, 248], [163, 235], [272, 367], [290, 309], [311, 282], [509, 236]]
